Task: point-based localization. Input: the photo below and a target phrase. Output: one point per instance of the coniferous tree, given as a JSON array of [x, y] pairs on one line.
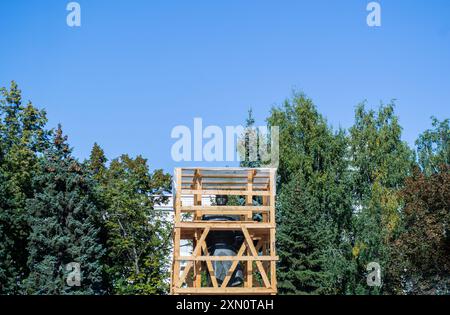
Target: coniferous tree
[[63, 220], [22, 138], [251, 140], [96, 163]]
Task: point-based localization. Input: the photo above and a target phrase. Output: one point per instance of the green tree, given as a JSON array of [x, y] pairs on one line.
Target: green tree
[[250, 143], [433, 147], [97, 163], [380, 162], [23, 138], [314, 207], [64, 225], [138, 237]]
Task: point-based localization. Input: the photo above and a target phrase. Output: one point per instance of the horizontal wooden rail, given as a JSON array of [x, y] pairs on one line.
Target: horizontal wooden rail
[[206, 291], [224, 176], [225, 208], [224, 192], [224, 225], [228, 258]]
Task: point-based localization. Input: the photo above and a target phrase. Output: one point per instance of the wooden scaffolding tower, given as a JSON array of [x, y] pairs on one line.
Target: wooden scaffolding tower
[[255, 221]]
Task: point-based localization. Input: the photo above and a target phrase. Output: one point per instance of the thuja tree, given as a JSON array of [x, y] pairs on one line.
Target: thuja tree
[[138, 237], [64, 226], [380, 162], [23, 138], [314, 208]]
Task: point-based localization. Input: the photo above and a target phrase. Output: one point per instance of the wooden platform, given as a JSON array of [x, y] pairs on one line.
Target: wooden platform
[[257, 253]]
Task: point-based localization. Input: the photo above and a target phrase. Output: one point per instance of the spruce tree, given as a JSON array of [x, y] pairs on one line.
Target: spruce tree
[[96, 163], [64, 229], [23, 138], [251, 141]]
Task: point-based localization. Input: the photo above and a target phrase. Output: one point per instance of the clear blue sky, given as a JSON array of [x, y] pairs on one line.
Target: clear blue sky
[[135, 69]]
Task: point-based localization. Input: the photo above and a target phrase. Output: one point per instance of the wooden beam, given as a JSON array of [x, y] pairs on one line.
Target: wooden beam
[[221, 290], [225, 208], [273, 269], [233, 267], [254, 253], [224, 225], [210, 266], [195, 253], [228, 258], [224, 192], [176, 254]]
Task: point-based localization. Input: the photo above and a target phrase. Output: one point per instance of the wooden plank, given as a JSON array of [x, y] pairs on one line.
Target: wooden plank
[[177, 195], [228, 258], [176, 253], [272, 193], [233, 266], [195, 253], [239, 181], [230, 169], [210, 267], [232, 291], [250, 270], [224, 192], [225, 208], [249, 196], [197, 264], [273, 269], [240, 189], [224, 225], [254, 253]]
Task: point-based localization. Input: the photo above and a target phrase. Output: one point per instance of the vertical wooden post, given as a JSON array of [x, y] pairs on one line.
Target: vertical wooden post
[[249, 197], [177, 230], [249, 271], [197, 197], [197, 264], [273, 269]]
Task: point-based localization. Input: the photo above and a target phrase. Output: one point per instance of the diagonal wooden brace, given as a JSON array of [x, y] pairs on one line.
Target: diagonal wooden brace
[[210, 267], [196, 252], [252, 248], [233, 267]]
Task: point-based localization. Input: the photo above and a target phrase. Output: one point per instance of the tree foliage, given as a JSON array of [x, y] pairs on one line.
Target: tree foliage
[[314, 209], [137, 236], [345, 199], [433, 147], [64, 226], [380, 162], [22, 138]]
